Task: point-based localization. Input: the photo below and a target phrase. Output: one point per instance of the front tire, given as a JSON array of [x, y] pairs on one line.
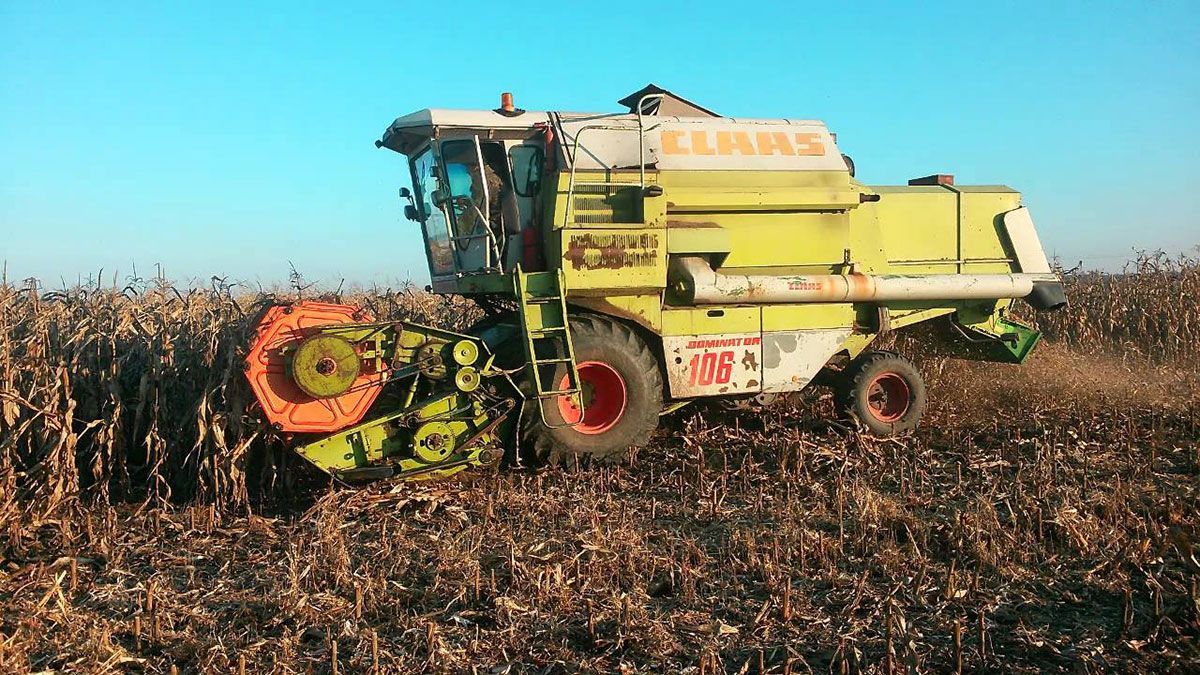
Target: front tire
[[622, 390], [885, 393]]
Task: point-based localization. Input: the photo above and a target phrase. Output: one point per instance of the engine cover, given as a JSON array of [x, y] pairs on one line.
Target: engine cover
[[287, 406]]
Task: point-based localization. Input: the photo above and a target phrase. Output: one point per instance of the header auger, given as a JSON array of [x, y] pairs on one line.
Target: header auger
[[630, 263]]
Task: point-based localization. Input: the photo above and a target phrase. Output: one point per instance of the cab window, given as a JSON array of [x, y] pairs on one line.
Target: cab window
[[526, 166]]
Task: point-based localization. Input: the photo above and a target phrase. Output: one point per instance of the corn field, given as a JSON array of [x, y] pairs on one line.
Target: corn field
[[1148, 309], [1043, 520]]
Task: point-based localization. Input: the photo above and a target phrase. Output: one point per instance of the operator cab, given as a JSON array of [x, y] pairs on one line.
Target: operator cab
[[475, 178]]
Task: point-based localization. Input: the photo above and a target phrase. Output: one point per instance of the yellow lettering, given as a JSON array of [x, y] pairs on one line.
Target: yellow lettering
[[700, 144], [729, 142], [771, 141], [809, 144], [671, 144]]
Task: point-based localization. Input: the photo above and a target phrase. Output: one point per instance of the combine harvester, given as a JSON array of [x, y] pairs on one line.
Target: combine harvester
[[630, 263]]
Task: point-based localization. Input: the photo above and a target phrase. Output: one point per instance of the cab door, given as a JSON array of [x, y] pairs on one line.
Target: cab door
[[526, 159], [466, 200]]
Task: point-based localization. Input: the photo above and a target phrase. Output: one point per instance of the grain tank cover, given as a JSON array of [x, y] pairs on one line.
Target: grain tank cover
[[698, 143], [671, 134]]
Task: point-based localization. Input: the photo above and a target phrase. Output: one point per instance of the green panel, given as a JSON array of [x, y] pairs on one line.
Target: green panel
[[1026, 339], [712, 320], [983, 235], [644, 309], [685, 236], [998, 338], [500, 284], [813, 315], [813, 242], [920, 227], [917, 223]]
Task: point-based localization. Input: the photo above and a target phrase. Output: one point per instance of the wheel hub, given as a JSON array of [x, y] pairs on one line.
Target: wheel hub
[[604, 398], [888, 397]]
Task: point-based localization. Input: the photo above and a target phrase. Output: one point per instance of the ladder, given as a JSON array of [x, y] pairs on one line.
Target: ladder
[[548, 349]]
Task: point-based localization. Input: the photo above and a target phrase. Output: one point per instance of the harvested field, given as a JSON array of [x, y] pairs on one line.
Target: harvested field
[[1043, 520]]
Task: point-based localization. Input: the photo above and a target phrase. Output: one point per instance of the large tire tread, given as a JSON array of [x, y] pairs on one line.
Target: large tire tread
[[541, 445], [856, 379]]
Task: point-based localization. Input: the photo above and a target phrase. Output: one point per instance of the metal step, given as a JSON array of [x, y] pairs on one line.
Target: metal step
[[546, 290]]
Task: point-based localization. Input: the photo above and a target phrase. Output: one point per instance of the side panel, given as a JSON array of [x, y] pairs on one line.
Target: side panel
[[713, 365], [713, 351], [807, 316], [917, 224], [942, 229], [792, 358], [811, 241]]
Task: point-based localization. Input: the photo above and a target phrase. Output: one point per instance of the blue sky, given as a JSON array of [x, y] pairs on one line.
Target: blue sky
[[232, 138]]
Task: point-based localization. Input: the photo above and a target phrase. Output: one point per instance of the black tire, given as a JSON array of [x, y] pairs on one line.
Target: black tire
[[884, 393], [614, 345]]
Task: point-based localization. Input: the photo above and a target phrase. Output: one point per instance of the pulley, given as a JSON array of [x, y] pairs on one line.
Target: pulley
[[433, 442], [467, 379], [325, 366], [466, 352], [430, 361]]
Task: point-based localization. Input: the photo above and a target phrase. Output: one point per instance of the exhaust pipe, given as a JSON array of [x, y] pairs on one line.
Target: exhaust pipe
[[697, 283]]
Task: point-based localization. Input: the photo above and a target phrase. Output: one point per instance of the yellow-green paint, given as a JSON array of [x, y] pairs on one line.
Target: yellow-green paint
[[857, 343], [606, 259], [614, 247], [644, 310], [811, 315], [712, 320], [381, 439]]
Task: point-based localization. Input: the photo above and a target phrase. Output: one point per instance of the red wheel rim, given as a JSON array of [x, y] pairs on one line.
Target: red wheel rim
[[888, 397], [604, 398]]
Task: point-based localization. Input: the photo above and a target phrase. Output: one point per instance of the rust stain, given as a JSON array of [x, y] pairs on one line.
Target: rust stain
[[749, 361], [612, 251], [861, 286]]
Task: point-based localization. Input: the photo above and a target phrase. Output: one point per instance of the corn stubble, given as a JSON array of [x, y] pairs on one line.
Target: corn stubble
[[1043, 520]]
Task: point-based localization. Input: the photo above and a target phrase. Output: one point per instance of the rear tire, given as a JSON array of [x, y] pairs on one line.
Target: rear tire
[[884, 393], [620, 376]]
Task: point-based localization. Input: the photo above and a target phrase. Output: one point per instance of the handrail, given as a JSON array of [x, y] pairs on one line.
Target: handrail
[[642, 136], [487, 199], [641, 129]]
